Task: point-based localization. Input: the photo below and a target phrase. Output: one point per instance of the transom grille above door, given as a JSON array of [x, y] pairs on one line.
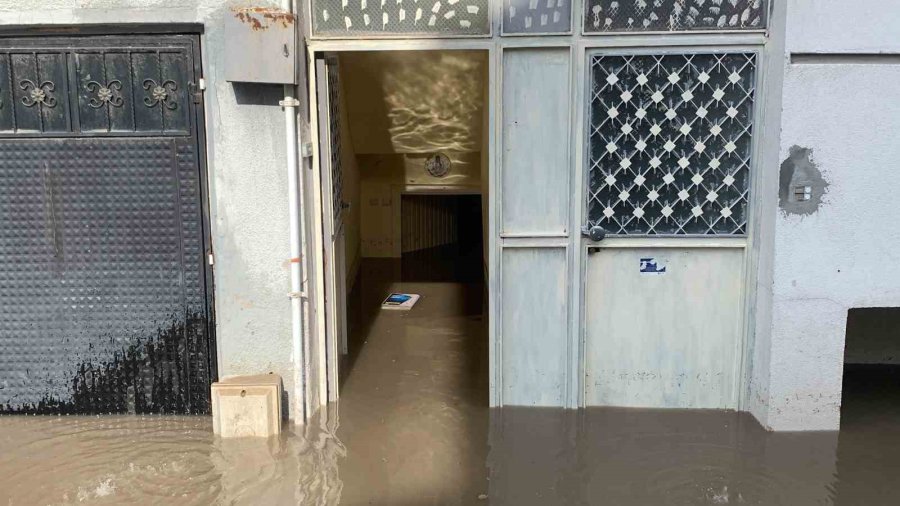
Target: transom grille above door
[[368, 18], [669, 143], [673, 15]]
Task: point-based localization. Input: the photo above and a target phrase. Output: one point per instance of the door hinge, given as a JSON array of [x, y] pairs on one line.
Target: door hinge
[[197, 91], [293, 102], [210, 259]]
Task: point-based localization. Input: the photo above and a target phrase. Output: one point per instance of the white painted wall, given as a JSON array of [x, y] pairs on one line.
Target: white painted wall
[[843, 255], [247, 179], [402, 107]]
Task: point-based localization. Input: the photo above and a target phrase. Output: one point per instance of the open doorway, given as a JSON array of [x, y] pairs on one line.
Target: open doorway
[[871, 389], [404, 154]]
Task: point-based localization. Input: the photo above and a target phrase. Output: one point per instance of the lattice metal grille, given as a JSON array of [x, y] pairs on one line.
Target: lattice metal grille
[[670, 143], [537, 16], [406, 17], [673, 15], [334, 117]]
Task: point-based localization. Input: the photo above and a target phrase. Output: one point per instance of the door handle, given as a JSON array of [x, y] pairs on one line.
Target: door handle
[[596, 234]]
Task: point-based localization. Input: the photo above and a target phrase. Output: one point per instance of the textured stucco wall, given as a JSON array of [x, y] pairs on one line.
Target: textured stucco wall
[[843, 253], [247, 179]]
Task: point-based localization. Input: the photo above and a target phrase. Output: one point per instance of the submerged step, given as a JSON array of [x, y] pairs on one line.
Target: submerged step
[[247, 406]]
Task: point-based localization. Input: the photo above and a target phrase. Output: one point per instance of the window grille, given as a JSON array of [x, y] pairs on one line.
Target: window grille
[[670, 143]]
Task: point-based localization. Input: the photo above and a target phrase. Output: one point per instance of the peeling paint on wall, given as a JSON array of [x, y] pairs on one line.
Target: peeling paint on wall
[[802, 186]]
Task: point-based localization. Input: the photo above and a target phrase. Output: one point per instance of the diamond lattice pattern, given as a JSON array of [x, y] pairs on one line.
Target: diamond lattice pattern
[[670, 143]]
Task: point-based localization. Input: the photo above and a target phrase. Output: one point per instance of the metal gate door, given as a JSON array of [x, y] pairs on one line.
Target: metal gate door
[[670, 161], [105, 301], [333, 206]]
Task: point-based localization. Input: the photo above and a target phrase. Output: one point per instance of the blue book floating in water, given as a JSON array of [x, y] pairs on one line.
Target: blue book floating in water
[[402, 301]]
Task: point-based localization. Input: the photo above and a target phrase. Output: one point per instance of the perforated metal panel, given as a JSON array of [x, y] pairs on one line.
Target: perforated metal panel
[[358, 18], [670, 143], [537, 16], [104, 306], [673, 15]]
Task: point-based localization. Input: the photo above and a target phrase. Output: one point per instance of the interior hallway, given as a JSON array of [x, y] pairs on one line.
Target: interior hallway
[[414, 386]]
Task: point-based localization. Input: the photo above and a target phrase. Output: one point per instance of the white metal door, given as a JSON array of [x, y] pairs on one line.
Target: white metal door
[[330, 107], [669, 156]]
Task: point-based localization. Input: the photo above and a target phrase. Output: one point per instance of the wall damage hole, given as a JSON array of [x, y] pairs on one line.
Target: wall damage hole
[[802, 186]]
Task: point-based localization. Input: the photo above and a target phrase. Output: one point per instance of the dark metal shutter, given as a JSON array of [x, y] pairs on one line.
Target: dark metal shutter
[[104, 288]]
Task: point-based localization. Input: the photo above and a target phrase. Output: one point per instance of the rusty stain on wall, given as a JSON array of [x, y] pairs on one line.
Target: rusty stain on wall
[[801, 176], [262, 18]]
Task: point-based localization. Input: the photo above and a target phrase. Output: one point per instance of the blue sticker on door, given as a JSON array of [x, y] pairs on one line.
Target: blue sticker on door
[[652, 266]]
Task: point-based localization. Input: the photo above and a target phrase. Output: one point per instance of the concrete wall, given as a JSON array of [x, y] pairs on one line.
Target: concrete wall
[[839, 250], [247, 179]]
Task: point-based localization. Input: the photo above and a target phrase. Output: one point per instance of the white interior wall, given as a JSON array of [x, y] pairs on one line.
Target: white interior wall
[[385, 176], [840, 255], [399, 114]]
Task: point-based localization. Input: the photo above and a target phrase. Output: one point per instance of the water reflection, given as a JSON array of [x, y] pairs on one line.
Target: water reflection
[[523, 456], [621, 456]]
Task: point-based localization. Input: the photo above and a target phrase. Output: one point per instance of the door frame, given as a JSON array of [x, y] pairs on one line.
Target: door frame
[[314, 215]]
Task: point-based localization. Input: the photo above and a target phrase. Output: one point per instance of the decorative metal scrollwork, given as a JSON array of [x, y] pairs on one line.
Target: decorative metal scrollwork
[[161, 94], [38, 93], [109, 94]]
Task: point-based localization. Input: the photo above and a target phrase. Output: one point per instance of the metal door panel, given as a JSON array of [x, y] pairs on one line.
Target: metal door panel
[[105, 306], [535, 182], [330, 107], [534, 317], [662, 339], [669, 152]]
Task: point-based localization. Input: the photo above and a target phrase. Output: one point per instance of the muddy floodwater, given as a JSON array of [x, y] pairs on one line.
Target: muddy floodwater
[[413, 428], [515, 457]]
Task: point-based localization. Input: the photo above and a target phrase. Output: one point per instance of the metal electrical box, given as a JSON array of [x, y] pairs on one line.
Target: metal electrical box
[[260, 45]]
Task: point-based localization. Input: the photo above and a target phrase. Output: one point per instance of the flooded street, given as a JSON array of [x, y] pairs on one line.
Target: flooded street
[[516, 457], [413, 428]]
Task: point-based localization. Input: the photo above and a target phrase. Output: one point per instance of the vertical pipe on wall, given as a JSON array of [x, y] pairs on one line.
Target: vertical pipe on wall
[[290, 106]]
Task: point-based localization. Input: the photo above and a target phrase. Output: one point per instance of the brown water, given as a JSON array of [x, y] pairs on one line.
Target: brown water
[[413, 428]]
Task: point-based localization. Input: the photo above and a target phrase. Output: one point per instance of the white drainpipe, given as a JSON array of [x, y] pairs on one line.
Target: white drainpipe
[[295, 210]]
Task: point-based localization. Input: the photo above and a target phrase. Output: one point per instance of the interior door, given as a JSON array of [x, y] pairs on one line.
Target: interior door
[[669, 159], [330, 107]]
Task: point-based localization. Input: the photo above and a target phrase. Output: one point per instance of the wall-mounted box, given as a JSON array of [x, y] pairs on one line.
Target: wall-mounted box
[[260, 45], [245, 406]]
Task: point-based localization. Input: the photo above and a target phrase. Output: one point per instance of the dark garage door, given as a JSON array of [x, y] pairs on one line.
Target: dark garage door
[[104, 286]]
